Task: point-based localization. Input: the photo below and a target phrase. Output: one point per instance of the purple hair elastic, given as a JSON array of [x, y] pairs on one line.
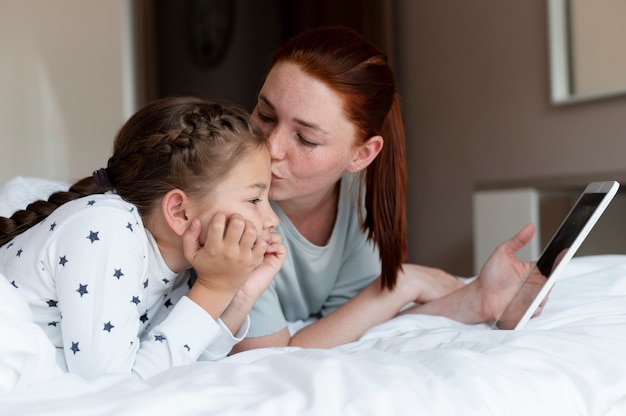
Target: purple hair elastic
[[101, 178]]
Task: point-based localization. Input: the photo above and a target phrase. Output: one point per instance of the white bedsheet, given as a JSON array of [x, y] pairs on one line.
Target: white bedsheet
[[569, 361]]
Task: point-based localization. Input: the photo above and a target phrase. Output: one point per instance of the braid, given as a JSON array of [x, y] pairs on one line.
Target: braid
[[35, 212], [195, 145], [173, 143]]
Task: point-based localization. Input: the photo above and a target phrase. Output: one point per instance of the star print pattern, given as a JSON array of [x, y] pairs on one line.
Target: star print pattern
[[103, 293], [93, 236], [82, 290]]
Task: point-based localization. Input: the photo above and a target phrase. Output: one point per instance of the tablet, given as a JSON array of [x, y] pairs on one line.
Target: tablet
[[570, 235]]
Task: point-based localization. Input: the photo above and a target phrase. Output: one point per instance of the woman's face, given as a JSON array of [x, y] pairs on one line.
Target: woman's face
[[312, 143]]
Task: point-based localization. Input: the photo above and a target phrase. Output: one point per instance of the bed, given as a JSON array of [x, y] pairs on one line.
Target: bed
[[571, 360]]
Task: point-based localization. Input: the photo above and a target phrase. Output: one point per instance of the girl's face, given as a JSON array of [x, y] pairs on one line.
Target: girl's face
[[312, 143], [245, 191]]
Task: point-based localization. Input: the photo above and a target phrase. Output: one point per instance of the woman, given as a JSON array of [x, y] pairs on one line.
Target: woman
[[105, 267], [330, 108]]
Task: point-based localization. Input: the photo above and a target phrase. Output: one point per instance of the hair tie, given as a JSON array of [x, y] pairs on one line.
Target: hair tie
[[101, 178]]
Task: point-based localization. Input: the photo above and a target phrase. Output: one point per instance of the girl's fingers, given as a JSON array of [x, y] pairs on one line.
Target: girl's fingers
[[215, 230], [190, 239]]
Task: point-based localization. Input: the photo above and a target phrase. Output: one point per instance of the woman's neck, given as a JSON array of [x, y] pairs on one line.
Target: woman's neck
[[314, 218]]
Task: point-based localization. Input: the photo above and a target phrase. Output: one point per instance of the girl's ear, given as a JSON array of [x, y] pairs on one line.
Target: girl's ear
[[366, 152], [174, 207]]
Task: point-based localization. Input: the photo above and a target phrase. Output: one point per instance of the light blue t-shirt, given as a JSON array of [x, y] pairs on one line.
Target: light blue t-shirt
[[316, 280]]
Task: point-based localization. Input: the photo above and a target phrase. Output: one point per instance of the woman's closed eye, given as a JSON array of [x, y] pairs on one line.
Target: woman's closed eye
[[264, 118], [306, 142], [255, 201]]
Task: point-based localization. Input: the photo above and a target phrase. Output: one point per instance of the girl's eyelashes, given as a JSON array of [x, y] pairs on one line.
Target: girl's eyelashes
[[255, 201]]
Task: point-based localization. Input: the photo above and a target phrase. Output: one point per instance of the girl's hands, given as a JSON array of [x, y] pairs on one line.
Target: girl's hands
[[263, 274], [259, 280], [224, 253]]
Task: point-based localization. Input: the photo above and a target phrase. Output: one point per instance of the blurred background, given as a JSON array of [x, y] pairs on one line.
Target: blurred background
[[475, 80]]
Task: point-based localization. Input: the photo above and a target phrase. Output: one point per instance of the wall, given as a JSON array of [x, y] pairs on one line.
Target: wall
[[475, 81], [473, 76], [238, 77], [66, 81]]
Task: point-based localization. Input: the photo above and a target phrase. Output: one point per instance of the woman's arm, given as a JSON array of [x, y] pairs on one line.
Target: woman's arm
[[436, 292], [370, 307], [484, 299]]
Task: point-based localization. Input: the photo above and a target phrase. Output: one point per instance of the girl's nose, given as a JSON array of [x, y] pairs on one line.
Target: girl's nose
[[271, 219]]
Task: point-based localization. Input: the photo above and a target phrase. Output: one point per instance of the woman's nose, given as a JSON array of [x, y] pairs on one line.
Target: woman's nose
[[277, 141]]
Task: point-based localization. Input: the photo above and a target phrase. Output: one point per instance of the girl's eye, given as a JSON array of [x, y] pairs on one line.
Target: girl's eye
[[255, 201]]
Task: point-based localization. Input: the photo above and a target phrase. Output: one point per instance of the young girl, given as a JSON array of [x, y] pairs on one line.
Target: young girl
[[105, 267]]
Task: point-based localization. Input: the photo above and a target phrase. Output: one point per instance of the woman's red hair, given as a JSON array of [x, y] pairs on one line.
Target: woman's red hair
[[359, 72]]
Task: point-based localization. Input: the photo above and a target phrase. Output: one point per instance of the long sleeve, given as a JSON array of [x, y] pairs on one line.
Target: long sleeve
[[96, 283]]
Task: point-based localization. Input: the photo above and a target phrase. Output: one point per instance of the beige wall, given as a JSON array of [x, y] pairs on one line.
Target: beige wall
[[474, 78], [475, 81], [598, 34], [66, 85]]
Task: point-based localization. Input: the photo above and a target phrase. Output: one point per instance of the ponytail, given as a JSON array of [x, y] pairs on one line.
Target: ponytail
[[385, 198]]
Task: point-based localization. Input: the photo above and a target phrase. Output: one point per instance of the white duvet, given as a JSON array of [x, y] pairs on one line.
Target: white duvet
[[571, 360]]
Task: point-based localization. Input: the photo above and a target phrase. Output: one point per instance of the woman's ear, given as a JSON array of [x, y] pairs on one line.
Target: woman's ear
[[366, 153], [174, 207]]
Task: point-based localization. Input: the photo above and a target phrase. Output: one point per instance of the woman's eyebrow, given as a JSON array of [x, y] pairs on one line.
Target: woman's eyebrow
[[299, 121], [266, 101], [310, 125]]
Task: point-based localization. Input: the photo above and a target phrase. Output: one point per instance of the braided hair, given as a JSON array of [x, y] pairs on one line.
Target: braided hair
[[182, 143]]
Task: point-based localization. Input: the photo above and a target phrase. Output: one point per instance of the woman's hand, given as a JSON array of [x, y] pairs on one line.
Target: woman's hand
[[502, 275], [486, 297]]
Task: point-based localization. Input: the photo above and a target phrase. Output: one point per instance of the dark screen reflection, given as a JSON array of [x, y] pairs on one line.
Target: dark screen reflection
[[568, 232]]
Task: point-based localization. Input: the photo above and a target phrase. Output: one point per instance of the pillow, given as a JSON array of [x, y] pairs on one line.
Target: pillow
[[26, 354], [21, 190]]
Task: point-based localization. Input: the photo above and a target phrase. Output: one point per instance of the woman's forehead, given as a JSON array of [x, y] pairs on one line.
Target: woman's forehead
[[290, 90]]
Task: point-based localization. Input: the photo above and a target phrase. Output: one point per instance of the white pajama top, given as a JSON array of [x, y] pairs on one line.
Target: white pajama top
[[98, 286]]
